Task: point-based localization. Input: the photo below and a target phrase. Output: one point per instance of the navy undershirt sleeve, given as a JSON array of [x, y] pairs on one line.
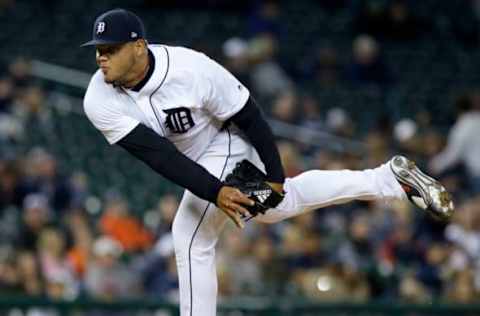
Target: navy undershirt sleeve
[[162, 156], [251, 121]]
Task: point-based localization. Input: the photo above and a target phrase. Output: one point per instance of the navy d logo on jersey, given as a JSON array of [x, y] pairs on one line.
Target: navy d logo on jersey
[[179, 120]]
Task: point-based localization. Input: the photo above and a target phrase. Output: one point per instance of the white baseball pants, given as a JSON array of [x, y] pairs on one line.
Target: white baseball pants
[[198, 223]]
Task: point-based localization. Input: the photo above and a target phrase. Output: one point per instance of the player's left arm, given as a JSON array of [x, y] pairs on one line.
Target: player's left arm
[[228, 100], [251, 121]]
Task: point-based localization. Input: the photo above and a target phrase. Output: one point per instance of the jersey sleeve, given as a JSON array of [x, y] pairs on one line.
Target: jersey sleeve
[[106, 117], [222, 94]]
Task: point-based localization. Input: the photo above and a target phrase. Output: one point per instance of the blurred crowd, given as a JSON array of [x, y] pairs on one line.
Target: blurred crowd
[[52, 246]]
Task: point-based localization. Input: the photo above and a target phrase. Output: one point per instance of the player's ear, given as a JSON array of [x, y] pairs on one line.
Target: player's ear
[[140, 46], [137, 45]]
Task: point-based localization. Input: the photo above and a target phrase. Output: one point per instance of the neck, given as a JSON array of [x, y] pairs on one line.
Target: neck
[[139, 71]]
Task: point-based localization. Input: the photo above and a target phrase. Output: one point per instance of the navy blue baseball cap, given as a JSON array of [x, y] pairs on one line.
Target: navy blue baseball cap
[[115, 27]]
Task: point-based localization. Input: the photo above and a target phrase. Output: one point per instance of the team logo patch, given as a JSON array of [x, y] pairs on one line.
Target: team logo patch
[[100, 27], [179, 120]]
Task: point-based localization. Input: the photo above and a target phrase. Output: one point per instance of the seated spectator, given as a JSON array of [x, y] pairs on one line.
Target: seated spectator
[[320, 68], [55, 268], [367, 65], [311, 117], [82, 239], [327, 68], [463, 144], [167, 208], [19, 70], [45, 177], [339, 122], [235, 53], [159, 266], [301, 243], [79, 189], [430, 272], [462, 289], [463, 230], [357, 250], [118, 224], [285, 108], [291, 158], [12, 186], [411, 290], [268, 78], [107, 278], [9, 275], [35, 217], [239, 271], [272, 267], [29, 107], [29, 274]]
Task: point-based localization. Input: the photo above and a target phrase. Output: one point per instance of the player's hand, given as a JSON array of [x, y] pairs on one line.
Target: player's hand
[[230, 201], [276, 186]]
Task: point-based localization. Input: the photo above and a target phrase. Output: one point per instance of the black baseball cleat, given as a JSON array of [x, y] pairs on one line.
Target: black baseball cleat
[[422, 190]]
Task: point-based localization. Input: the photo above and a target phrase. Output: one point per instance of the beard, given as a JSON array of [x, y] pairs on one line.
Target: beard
[[107, 79], [115, 82], [120, 77]]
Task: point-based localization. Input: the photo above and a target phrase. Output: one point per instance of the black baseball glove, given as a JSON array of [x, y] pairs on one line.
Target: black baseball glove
[[252, 182]]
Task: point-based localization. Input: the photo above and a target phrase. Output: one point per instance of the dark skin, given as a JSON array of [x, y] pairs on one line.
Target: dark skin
[[126, 65]]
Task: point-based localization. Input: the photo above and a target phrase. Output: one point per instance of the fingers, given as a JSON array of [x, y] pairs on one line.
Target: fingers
[[235, 217], [237, 208], [232, 202], [241, 198], [235, 200], [235, 212]]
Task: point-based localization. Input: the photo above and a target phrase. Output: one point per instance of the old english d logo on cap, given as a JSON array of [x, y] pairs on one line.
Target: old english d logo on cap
[[100, 27], [115, 27]]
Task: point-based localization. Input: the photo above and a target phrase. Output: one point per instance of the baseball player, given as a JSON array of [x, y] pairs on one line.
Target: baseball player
[[191, 121]]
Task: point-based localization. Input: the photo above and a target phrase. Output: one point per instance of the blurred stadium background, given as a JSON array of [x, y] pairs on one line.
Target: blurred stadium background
[[85, 229]]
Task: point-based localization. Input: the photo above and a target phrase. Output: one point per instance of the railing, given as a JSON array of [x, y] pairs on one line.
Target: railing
[[240, 306]]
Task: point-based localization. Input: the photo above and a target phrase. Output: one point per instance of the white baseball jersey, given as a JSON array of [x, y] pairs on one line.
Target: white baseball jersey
[[186, 99]]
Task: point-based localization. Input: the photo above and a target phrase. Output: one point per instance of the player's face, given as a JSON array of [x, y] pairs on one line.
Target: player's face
[[115, 61]]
